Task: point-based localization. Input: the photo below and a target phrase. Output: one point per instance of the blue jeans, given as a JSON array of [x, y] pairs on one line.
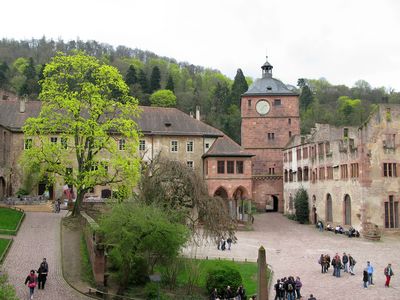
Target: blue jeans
[[365, 284], [290, 296], [31, 290], [370, 278]]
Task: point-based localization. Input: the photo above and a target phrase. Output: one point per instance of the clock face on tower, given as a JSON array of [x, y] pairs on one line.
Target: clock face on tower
[[263, 107]]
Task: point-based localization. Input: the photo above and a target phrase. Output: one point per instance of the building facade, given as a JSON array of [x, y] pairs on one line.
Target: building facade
[[165, 131], [350, 173], [270, 117]]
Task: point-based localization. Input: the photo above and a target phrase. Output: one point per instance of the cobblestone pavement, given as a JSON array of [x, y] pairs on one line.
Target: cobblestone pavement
[[38, 237], [293, 250]]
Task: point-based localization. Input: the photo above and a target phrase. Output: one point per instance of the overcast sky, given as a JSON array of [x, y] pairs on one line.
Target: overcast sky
[[342, 41]]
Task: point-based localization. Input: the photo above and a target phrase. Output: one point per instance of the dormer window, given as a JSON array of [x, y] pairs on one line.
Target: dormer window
[[269, 88]]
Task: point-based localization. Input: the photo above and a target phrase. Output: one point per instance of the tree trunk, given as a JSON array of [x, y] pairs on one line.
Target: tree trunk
[[77, 206]]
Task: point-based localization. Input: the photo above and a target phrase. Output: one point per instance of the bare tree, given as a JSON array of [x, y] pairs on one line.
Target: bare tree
[[178, 189]]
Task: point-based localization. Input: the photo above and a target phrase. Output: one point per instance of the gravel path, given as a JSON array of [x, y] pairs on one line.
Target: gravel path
[[38, 237], [294, 249]]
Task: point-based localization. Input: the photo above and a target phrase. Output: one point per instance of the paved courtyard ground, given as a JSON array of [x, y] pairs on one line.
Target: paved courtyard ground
[[294, 249], [38, 237]]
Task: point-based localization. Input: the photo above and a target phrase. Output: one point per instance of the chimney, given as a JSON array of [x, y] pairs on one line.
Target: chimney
[[198, 113], [22, 105]]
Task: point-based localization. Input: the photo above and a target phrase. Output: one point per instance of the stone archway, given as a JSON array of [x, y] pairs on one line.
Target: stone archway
[[2, 188], [347, 210], [329, 211], [239, 195], [221, 192]]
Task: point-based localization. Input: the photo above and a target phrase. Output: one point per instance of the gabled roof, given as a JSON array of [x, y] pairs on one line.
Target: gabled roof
[[172, 121], [152, 121], [224, 146]]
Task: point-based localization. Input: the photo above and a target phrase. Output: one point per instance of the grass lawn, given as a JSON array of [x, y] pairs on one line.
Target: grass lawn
[[9, 219], [3, 245], [248, 270]]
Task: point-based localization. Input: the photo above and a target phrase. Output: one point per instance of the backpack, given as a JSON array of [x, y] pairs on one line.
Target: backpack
[[290, 287]]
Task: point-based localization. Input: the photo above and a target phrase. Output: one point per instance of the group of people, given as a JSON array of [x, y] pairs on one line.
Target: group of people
[[229, 294], [222, 244], [345, 263], [288, 288], [338, 229], [39, 280]]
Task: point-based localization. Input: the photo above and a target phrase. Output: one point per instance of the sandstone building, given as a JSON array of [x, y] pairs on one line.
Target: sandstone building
[[224, 165], [270, 117], [350, 173]]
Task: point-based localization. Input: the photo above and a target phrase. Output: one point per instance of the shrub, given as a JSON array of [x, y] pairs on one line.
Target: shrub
[[301, 206], [22, 192], [220, 278]]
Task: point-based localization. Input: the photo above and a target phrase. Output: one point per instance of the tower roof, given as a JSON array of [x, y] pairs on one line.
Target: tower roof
[[266, 85]]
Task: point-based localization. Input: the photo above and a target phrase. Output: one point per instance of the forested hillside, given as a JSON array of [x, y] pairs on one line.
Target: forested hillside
[[22, 62]]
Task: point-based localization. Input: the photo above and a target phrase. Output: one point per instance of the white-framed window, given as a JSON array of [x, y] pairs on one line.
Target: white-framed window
[[189, 146], [190, 164], [64, 142], [142, 145], [53, 139], [174, 146], [27, 144], [121, 144]]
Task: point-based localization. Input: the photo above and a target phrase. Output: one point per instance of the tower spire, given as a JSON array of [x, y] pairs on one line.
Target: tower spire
[[266, 68]]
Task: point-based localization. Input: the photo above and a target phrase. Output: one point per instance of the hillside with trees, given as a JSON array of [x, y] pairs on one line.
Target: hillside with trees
[[22, 64]]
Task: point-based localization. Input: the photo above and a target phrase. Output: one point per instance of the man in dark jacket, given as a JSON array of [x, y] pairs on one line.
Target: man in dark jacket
[[42, 272]]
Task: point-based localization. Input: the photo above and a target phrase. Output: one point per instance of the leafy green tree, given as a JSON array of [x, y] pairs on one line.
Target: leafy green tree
[[130, 77], [141, 233], [239, 87], [97, 136], [301, 206], [170, 84], [163, 98], [155, 79], [350, 111], [7, 291], [232, 121]]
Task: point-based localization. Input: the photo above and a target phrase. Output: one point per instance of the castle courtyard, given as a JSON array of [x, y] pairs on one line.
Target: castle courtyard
[[294, 249]]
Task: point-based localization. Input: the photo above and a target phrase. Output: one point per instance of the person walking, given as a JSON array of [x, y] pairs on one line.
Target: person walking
[[31, 280], [370, 270], [388, 273], [42, 274], [229, 241], [352, 263], [290, 288], [365, 278]]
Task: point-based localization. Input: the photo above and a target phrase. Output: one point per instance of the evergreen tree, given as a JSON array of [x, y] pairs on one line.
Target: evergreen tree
[[170, 84], [306, 97], [142, 80], [3, 75], [239, 87], [130, 77], [30, 87], [301, 206], [155, 79]]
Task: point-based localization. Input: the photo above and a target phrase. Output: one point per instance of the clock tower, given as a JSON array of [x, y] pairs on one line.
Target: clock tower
[[270, 117]]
